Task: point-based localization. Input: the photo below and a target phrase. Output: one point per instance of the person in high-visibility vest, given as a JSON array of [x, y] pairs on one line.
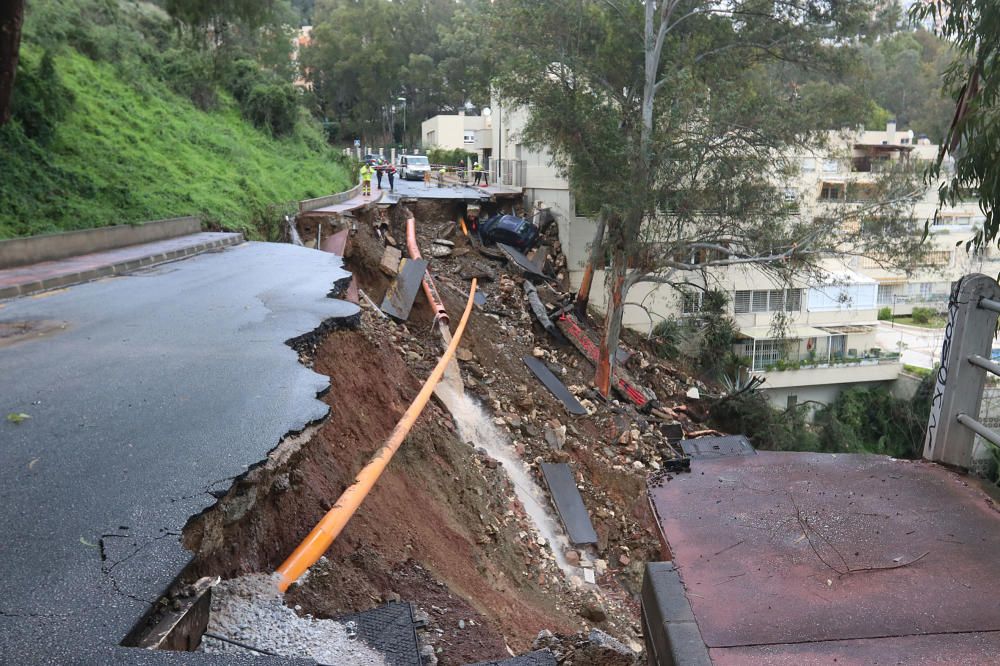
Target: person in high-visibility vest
[[478, 168], [366, 179], [441, 173]]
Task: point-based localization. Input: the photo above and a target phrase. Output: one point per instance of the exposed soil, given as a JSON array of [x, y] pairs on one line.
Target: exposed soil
[[442, 528]]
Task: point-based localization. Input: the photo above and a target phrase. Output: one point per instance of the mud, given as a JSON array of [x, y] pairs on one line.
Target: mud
[[443, 527]]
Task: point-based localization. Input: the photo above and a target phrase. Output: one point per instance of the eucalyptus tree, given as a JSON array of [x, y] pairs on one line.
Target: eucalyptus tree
[[973, 138], [664, 119]]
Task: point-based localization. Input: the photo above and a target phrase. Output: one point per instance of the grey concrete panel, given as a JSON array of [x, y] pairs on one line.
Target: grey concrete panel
[[163, 385], [568, 503], [400, 295], [718, 447], [555, 387]]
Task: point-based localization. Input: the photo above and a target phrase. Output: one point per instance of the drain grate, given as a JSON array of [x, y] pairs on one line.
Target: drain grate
[[537, 658], [390, 629], [728, 446]]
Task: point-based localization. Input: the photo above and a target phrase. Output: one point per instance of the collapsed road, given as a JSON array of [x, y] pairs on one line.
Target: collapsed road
[[154, 391]]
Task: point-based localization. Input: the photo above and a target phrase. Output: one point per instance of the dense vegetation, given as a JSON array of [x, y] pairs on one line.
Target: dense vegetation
[[860, 420], [373, 61], [120, 115]]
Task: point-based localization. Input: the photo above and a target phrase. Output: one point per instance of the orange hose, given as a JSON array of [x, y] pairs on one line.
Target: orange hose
[[440, 314], [331, 524]]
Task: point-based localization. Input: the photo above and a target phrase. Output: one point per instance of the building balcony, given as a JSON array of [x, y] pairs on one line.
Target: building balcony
[[844, 371]]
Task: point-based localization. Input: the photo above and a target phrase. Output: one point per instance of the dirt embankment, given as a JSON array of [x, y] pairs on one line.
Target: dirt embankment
[[443, 528]]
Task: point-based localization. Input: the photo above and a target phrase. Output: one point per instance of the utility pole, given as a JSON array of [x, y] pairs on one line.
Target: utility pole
[[403, 100]]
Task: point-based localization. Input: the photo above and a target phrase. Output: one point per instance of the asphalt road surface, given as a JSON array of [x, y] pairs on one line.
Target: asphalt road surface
[[145, 392]]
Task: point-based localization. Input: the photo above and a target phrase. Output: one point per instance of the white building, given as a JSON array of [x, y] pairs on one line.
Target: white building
[[826, 340], [451, 132]]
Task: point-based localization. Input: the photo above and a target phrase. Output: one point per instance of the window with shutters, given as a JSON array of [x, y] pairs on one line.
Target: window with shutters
[[691, 302], [741, 301], [759, 301]]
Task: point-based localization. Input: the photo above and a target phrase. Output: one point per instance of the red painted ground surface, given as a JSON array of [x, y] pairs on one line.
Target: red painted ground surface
[[51, 269], [794, 548]]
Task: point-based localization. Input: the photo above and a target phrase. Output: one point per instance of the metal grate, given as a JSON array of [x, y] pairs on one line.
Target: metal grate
[[390, 630]]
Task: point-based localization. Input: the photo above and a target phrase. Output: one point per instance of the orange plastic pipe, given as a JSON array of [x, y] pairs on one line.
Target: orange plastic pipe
[[331, 524], [465, 230], [430, 289]]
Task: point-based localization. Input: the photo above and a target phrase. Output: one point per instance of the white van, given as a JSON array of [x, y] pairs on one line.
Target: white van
[[413, 167]]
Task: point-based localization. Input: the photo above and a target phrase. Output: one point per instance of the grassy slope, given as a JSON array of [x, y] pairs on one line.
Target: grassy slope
[[130, 152]]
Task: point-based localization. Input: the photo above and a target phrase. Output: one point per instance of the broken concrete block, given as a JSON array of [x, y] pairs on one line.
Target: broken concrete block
[[390, 261]]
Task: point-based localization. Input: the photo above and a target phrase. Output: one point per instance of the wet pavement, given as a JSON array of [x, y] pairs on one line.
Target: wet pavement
[[156, 389], [74, 270], [796, 558]]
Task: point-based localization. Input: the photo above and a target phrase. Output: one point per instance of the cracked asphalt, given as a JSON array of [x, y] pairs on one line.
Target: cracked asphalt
[[155, 390]]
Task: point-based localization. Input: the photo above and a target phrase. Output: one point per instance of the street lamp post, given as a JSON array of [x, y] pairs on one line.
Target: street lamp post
[[403, 100]]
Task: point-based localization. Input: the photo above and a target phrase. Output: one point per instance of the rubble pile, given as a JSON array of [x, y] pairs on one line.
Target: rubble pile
[[611, 450]]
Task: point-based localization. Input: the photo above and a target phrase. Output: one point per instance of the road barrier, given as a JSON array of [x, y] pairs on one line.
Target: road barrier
[[331, 525]]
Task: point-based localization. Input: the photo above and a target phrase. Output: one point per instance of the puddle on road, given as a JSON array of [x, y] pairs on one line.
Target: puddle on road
[[12, 332]]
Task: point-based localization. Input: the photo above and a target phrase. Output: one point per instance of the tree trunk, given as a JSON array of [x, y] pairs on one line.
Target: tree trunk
[[617, 287], [11, 18], [596, 253]]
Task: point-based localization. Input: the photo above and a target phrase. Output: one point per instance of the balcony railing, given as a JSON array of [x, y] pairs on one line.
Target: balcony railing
[[954, 422], [512, 172]]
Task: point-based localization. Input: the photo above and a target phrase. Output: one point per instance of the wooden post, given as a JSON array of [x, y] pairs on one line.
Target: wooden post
[[959, 385]]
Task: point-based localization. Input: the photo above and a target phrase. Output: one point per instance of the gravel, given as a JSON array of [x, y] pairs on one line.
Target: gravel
[[250, 610]]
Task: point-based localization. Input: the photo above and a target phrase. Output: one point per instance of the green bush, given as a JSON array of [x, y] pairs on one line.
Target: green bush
[[450, 157], [922, 315], [272, 106], [871, 420], [189, 73], [666, 335], [751, 414], [885, 314], [40, 100]]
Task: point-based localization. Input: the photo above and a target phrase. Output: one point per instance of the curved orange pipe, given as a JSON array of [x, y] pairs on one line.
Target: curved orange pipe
[[331, 524], [440, 314]]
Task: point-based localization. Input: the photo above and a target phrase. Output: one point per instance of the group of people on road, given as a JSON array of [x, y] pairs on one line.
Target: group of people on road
[[378, 167]]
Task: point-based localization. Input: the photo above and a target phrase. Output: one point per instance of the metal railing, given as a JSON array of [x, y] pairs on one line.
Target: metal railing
[[973, 307], [512, 172]]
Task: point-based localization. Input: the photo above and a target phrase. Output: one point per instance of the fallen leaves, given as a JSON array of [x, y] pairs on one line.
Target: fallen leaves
[[18, 417]]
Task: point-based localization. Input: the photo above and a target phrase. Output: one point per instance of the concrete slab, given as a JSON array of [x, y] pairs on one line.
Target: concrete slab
[[569, 504], [163, 385], [978, 649], [24, 280], [399, 296], [781, 548], [555, 387]]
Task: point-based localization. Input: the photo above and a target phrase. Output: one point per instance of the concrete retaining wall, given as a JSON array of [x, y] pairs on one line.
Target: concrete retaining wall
[[34, 249], [329, 200]]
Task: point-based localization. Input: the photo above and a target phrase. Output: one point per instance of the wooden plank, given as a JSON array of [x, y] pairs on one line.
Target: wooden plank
[[555, 387], [569, 504]]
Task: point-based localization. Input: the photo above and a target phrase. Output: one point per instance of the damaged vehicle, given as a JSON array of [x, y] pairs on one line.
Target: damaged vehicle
[[509, 230]]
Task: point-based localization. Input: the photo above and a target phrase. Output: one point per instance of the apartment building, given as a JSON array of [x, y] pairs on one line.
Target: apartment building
[[471, 133], [814, 337], [842, 176]]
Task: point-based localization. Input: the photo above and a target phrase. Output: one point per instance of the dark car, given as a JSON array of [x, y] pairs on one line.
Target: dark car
[[372, 159], [509, 230]]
